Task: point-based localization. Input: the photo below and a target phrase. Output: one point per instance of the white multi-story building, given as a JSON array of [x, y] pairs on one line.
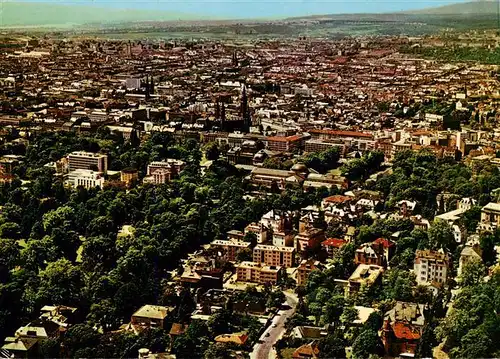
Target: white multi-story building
[[80, 160], [85, 178], [431, 266]]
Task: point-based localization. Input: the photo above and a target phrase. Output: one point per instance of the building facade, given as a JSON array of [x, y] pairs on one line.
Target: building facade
[[431, 266], [274, 256], [257, 273], [80, 160]]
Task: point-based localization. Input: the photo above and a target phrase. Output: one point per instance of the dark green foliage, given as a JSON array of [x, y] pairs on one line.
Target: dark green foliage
[[367, 343], [363, 167], [472, 326]]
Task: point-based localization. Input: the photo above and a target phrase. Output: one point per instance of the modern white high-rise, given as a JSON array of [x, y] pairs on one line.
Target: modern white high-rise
[[80, 160]]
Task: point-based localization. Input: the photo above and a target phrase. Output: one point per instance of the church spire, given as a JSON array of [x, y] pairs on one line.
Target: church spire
[[147, 88], [244, 112]]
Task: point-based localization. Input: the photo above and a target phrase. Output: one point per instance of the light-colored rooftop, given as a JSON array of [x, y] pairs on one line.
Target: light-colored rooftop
[[152, 311]]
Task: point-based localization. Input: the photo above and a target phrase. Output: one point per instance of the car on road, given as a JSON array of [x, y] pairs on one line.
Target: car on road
[[275, 325], [268, 334]]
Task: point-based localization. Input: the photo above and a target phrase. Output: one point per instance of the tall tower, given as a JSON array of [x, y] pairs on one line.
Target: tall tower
[[223, 117], [147, 88], [235, 59], [244, 111], [217, 109]]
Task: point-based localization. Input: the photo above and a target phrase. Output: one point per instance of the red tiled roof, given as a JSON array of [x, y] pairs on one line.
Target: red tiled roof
[[337, 199], [384, 242], [405, 331], [334, 242], [342, 133]]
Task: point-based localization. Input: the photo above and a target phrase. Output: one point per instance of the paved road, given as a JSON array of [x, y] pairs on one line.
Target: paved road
[[275, 330]]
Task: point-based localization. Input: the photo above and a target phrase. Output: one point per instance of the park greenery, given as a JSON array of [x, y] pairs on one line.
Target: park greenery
[[457, 53]]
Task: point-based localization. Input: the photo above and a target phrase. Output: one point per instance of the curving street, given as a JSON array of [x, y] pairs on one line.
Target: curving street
[[265, 349]]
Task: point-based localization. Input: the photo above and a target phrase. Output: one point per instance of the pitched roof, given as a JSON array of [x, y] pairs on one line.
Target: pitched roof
[[334, 242], [178, 329], [236, 338], [405, 331], [337, 199], [307, 351], [152, 311], [386, 243]]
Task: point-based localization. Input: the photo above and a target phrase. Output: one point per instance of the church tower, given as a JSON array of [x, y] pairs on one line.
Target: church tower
[[244, 111]]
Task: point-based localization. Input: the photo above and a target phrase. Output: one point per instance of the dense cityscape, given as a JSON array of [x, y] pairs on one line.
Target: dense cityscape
[[250, 198]]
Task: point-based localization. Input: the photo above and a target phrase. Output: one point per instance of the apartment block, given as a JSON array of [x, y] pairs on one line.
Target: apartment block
[[431, 266], [228, 250], [257, 273], [274, 256]]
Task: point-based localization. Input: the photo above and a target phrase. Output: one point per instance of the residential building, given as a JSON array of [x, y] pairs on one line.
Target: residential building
[[269, 178], [151, 316], [364, 275], [369, 253], [21, 347], [282, 239], [305, 268], [277, 221], [87, 161], [490, 216], [284, 144], [309, 239], [274, 256], [469, 254], [257, 273], [388, 248], [200, 272], [402, 329], [332, 246], [431, 266], [309, 351], [323, 145], [234, 339], [260, 230], [229, 249]]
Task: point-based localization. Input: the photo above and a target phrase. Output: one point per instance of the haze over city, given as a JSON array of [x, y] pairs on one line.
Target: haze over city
[[244, 9]]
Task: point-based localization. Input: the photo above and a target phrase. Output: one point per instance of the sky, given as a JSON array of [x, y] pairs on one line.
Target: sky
[[244, 9]]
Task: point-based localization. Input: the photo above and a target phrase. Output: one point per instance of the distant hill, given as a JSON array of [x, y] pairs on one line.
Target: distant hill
[[46, 14], [477, 8], [482, 7]]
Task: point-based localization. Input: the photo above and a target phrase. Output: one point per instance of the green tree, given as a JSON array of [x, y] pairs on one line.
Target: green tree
[[366, 344], [60, 282], [212, 151], [472, 273]]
